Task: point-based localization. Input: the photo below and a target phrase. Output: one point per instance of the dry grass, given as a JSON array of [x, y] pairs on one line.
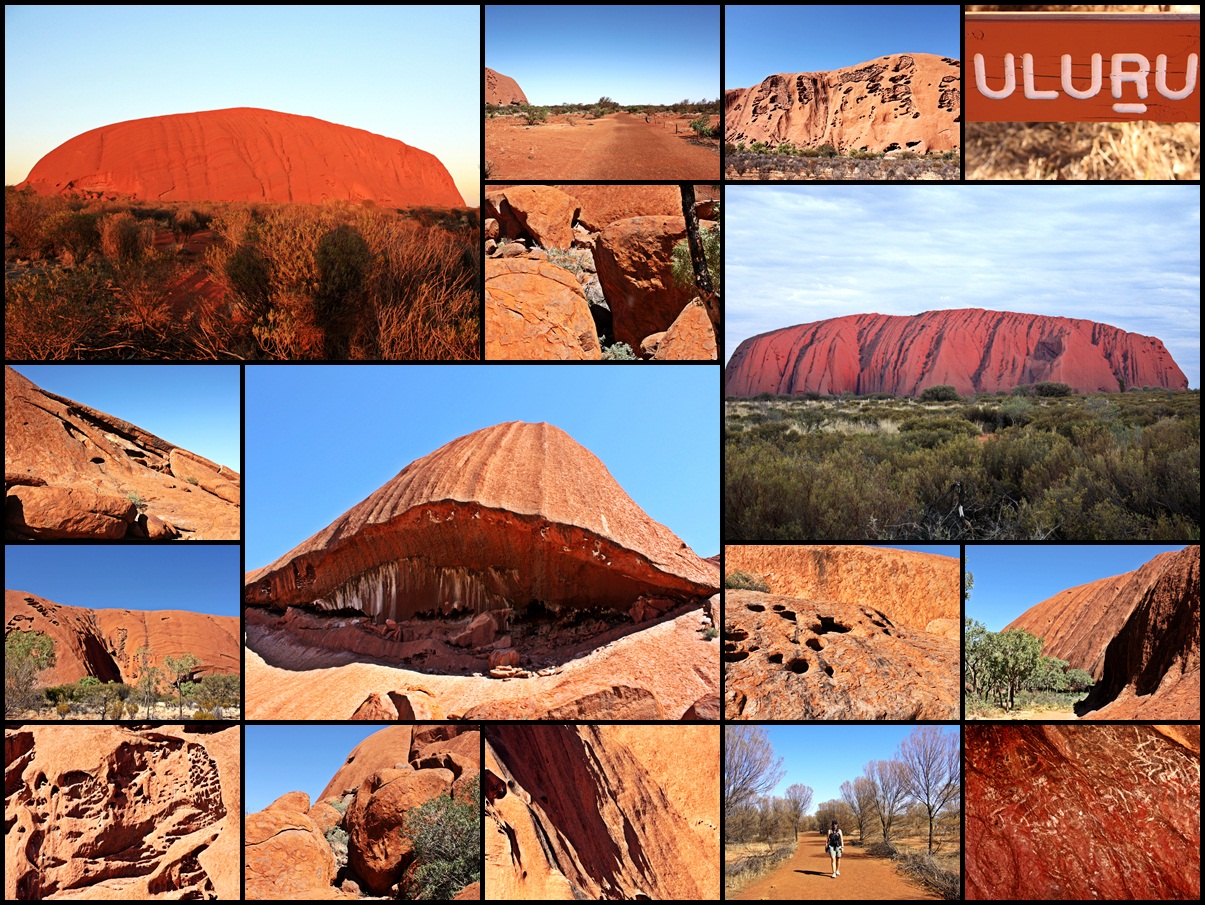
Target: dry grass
[[1083, 151], [747, 862]]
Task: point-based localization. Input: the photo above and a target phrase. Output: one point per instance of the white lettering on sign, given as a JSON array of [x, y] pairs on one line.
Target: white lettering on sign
[[1118, 76]]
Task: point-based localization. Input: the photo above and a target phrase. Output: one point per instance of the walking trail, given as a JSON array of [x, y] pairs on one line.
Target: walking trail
[[808, 875]]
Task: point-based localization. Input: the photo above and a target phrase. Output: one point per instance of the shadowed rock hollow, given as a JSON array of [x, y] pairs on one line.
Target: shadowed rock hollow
[[973, 350], [602, 812], [893, 103], [121, 813], [1064, 812], [244, 154], [72, 472]]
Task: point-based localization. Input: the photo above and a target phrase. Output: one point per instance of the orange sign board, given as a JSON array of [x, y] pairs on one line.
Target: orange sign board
[[1082, 67]]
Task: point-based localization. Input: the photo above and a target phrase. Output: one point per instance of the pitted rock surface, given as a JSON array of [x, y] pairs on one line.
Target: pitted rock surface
[[502, 89]]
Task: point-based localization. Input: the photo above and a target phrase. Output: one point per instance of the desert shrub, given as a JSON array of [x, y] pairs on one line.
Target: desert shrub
[[1051, 388], [249, 278], [57, 314], [618, 352], [185, 224], [202, 715], [710, 633], [826, 150], [445, 832], [25, 213], [745, 581], [682, 268], [940, 393], [534, 115], [123, 239], [926, 870], [73, 232], [139, 503], [703, 128]]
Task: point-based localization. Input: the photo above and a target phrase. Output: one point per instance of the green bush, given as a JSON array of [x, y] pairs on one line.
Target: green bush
[[1050, 388], [940, 393], [445, 832], [123, 239], [533, 115], [744, 581], [618, 352], [682, 266]]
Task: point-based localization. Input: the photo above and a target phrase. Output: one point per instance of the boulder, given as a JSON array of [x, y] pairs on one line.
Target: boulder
[[218, 480], [285, 852], [67, 513], [705, 709], [536, 311], [539, 212], [506, 657], [648, 345], [689, 338]]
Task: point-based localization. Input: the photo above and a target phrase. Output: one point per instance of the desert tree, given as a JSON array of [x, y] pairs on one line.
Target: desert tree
[[859, 795], [179, 672], [146, 689], [889, 790], [931, 770], [828, 811], [709, 295], [26, 656], [1013, 655], [799, 801], [750, 768]]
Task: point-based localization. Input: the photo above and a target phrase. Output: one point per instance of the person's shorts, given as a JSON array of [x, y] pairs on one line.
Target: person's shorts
[[835, 852]]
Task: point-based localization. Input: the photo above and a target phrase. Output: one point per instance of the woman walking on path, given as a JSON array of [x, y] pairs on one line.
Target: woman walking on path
[[836, 843]]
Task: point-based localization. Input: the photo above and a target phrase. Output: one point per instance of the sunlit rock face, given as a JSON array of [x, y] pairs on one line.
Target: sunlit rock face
[[503, 518]]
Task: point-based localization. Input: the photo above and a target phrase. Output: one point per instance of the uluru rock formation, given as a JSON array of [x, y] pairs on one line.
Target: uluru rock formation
[[920, 590], [72, 472], [244, 154], [1062, 812], [502, 89], [787, 658], [893, 103], [1139, 634], [973, 350], [107, 812], [104, 642], [291, 851], [602, 812]]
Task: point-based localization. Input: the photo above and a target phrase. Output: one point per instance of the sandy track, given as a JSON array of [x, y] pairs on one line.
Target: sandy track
[[618, 146], [808, 875]]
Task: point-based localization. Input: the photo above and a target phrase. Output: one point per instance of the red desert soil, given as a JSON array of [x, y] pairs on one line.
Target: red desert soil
[[244, 154], [973, 350], [808, 875], [617, 146]]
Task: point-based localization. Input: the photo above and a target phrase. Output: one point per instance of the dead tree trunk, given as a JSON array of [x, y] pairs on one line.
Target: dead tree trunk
[[698, 260]]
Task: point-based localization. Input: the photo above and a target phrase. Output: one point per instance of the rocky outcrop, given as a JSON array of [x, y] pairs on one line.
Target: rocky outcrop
[[502, 89], [913, 589], [689, 338], [117, 813], [536, 311], [72, 472], [592, 812], [491, 522], [788, 658], [901, 102], [973, 350], [1061, 812], [104, 642], [542, 212], [287, 856], [244, 154]]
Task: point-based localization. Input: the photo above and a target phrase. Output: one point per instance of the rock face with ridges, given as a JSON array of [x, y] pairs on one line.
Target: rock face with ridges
[[893, 103], [502, 89], [590, 812], [1083, 812], [493, 521], [786, 658], [73, 472], [244, 154], [913, 588], [973, 350], [103, 642], [536, 310], [117, 813]]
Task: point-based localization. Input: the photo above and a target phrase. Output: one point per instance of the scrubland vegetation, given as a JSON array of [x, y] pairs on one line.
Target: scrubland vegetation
[[789, 161], [89, 279], [1020, 466]]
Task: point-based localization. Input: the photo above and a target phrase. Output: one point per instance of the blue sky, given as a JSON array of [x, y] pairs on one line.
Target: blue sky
[[1011, 578], [280, 759], [407, 72], [1124, 255], [823, 757], [198, 578], [764, 40], [577, 53], [196, 407], [322, 438]]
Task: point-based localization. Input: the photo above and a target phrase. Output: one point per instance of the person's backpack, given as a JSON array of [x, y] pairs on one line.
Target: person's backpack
[[834, 840]]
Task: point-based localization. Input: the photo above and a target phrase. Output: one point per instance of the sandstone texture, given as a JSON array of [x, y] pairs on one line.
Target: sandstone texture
[[602, 812], [1060, 812], [104, 642], [973, 350], [901, 102], [107, 812], [1139, 634], [913, 589], [387, 775], [244, 154], [789, 658], [502, 89], [72, 472], [689, 338], [536, 310]]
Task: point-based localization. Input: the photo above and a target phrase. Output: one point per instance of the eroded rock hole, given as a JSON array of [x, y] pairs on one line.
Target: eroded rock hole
[[755, 607], [775, 658], [815, 644], [735, 634], [97, 460], [798, 665], [827, 669], [829, 624], [735, 656], [788, 615], [778, 607]]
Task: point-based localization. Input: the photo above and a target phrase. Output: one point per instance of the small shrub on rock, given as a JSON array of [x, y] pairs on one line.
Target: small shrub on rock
[[744, 581]]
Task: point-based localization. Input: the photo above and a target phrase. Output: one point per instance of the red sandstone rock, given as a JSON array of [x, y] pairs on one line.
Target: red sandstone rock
[[103, 643], [974, 351], [892, 103], [244, 154], [381, 750], [542, 213], [472, 891], [912, 588], [502, 89], [72, 472], [594, 812], [689, 338], [286, 854], [705, 709], [1061, 812], [536, 311], [786, 658], [96, 811]]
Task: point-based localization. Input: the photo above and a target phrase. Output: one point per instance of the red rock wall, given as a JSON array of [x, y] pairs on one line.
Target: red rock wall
[[1060, 812], [892, 103], [974, 351], [502, 89], [244, 154]]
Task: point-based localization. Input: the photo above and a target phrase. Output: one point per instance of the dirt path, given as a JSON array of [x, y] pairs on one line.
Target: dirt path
[[618, 146], [1029, 715], [808, 875]]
